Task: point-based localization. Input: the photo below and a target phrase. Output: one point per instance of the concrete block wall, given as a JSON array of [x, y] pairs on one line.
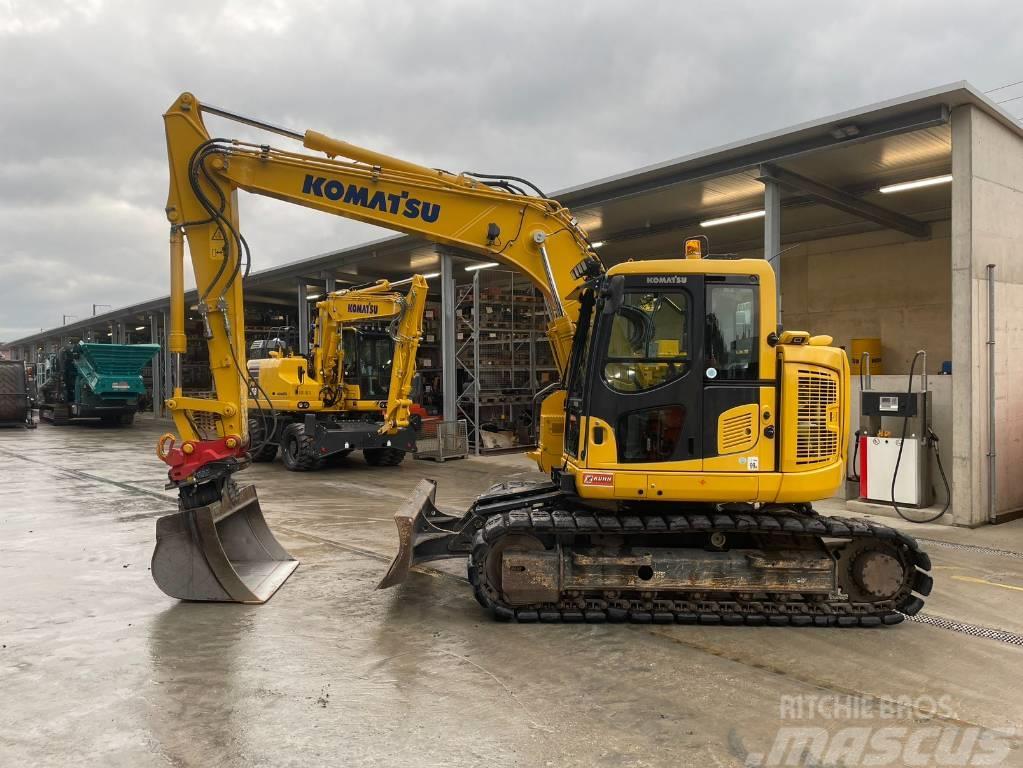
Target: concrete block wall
[[987, 228], [878, 284]]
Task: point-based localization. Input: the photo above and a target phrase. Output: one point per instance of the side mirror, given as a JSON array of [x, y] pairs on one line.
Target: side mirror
[[614, 294]]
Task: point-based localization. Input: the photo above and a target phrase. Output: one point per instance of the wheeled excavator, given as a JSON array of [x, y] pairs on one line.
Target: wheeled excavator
[[685, 442], [353, 391]]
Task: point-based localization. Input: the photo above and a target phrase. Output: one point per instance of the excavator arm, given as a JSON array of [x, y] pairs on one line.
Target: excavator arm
[[219, 547]]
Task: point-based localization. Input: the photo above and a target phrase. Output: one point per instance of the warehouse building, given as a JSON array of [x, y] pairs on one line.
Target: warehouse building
[[897, 222]]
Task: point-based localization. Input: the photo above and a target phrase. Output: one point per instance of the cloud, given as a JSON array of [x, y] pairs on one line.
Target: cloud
[[561, 93]]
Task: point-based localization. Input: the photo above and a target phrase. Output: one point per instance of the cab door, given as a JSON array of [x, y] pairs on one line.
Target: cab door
[[738, 401], [644, 399]]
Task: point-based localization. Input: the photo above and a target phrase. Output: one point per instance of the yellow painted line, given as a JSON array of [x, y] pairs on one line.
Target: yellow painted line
[[975, 580]]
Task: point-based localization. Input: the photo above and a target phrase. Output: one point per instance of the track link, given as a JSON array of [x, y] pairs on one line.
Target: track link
[[681, 608]]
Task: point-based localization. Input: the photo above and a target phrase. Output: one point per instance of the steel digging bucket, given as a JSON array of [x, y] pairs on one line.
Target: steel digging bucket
[[223, 551]]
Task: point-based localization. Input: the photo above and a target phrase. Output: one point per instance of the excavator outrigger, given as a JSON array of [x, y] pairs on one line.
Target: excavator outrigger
[[353, 391], [685, 441]]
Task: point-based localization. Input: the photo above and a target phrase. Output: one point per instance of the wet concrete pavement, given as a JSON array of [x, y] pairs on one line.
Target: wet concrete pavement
[[98, 667]]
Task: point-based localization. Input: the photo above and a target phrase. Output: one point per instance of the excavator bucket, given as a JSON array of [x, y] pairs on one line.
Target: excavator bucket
[[221, 552], [424, 533]]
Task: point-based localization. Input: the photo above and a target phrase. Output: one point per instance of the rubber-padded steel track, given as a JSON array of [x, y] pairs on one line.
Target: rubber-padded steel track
[[544, 521]]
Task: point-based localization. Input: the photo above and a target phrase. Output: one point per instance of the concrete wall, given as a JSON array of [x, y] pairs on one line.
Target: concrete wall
[[987, 228], [879, 284]]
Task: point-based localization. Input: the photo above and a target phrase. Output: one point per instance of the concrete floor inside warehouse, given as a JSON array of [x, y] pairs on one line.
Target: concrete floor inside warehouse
[[98, 667]]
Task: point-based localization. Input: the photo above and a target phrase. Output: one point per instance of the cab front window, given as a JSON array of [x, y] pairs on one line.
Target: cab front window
[[648, 345]]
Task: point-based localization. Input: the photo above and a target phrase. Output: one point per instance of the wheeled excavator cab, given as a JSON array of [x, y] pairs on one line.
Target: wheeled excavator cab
[[368, 355]]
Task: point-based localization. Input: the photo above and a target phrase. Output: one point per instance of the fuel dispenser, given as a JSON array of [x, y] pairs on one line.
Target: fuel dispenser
[[895, 441]]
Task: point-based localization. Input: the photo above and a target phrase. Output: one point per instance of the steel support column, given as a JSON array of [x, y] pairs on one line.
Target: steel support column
[[329, 282], [772, 235], [303, 320], [448, 366], [157, 365]]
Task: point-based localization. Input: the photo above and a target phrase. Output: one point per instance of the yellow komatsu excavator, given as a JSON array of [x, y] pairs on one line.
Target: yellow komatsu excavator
[[353, 391], [684, 443]]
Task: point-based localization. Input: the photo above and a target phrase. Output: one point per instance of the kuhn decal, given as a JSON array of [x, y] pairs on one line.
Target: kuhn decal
[[598, 478]]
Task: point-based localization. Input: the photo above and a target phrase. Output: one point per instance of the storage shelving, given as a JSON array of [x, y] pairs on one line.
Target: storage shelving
[[504, 358]]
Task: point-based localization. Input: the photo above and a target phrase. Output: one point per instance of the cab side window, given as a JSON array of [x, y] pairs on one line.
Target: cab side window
[[731, 345]]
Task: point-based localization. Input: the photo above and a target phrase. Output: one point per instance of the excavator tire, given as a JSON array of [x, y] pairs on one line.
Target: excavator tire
[[383, 457], [261, 452], [266, 453], [127, 419], [297, 451]]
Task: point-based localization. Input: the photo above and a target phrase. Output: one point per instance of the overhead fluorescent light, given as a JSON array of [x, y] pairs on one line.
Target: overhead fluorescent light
[[431, 275], [312, 297], [474, 267], [140, 327], [887, 190], [845, 131], [597, 244], [734, 217]]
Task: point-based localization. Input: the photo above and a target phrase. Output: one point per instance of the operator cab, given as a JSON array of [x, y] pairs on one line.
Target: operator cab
[[664, 351], [368, 353]]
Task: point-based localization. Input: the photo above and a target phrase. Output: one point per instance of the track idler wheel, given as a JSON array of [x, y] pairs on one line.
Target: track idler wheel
[[872, 571]]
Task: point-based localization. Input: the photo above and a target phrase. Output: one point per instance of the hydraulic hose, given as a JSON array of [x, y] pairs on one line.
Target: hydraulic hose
[[934, 445], [852, 475]]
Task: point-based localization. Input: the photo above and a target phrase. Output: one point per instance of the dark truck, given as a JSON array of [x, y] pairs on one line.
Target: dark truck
[[15, 395]]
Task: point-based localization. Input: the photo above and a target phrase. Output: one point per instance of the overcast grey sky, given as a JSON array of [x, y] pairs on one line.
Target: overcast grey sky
[[559, 92]]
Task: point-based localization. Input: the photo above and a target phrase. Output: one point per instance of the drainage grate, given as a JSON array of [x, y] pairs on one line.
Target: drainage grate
[[973, 630], [972, 548]]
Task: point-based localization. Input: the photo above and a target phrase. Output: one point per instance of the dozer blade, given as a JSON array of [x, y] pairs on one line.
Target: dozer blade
[[424, 533], [222, 552]]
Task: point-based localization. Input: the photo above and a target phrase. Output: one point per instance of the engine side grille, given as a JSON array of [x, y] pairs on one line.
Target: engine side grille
[[736, 431], [817, 415]]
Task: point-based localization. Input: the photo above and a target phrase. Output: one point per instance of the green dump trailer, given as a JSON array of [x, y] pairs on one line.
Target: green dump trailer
[[89, 381]]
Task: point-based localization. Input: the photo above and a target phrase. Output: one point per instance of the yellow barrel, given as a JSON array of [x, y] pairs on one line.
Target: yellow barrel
[[858, 347]]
